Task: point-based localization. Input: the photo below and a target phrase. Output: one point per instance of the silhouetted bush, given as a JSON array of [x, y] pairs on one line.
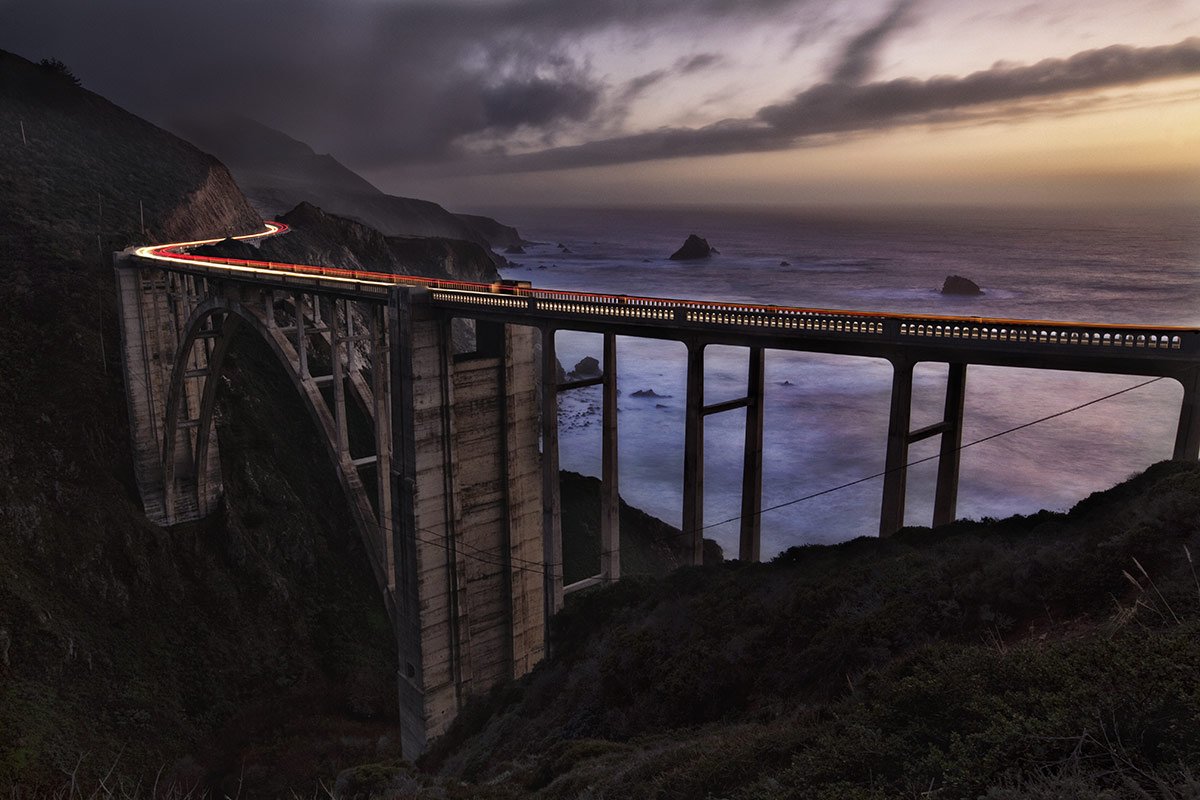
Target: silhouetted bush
[[58, 68]]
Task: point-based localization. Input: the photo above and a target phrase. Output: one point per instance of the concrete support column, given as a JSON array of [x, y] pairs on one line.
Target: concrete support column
[[750, 544], [891, 514], [551, 488], [693, 453], [406, 599], [381, 391], [301, 336], [1187, 435], [351, 349], [336, 354], [610, 494], [945, 501]]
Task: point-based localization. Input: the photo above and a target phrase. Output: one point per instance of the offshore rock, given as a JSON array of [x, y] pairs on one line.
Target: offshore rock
[[957, 284], [587, 367], [694, 248]]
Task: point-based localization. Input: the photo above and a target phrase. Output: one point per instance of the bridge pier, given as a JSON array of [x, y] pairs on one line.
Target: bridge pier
[[1187, 435], [610, 489], [551, 484], [693, 453], [895, 478], [945, 501], [750, 540]]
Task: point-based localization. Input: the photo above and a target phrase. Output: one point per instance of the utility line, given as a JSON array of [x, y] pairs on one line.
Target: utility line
[[539, 567], [960, 448], [882, 473]]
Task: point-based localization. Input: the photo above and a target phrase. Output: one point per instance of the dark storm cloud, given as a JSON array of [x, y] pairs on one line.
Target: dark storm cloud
[[829, 107], [537, 101], [837, 109], [859, 55], [377, 82]]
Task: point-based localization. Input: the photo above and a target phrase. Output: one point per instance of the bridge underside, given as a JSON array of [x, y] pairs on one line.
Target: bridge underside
[[445, 492]]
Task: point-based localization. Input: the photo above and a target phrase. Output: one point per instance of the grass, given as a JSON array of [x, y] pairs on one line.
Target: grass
[[1001, 657]]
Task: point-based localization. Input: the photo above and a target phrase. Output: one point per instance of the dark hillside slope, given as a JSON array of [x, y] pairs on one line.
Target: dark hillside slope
[[649, 546], [1046, 656], [119, 639], [278, 172], [87, 165], [320, 238]]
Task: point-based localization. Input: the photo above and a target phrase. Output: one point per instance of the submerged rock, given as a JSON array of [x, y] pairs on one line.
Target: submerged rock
[[693, 248], [515, 250], [957, 284]]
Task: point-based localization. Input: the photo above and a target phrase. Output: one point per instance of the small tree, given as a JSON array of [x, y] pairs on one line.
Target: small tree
[[58, 68]]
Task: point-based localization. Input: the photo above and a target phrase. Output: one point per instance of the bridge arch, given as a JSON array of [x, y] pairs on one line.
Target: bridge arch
[[222, 319]]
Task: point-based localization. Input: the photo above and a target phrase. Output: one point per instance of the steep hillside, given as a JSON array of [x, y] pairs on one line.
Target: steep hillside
[[649, 546], [71, 132], [497, 233], [1036, 657], [255, 638], [278, 172], [320, 238]]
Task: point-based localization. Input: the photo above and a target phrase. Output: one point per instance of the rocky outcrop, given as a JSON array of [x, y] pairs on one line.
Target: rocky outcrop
[[229, 248], [317, 237], [215, 206], [497, 234], [958, 285], [694, 248], [587, 367]]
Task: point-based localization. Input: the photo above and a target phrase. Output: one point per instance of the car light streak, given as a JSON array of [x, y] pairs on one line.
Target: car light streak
[[173, 253]]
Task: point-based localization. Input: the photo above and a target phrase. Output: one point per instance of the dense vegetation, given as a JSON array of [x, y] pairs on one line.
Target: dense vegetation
[[1048, 656]]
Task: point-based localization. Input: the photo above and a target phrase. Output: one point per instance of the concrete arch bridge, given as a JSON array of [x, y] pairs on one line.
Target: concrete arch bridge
[[457, 499]]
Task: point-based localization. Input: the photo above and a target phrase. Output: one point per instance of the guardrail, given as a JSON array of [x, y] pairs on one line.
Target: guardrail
[[519, 297]]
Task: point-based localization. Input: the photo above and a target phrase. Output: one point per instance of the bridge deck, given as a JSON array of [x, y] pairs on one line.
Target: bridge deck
[[1045, 344]]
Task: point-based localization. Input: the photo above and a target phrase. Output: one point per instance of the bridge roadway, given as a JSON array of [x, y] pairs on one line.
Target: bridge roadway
[[462, 525], [902, 339]]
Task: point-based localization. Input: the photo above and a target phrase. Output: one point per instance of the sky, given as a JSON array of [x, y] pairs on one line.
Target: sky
[[489, 103]]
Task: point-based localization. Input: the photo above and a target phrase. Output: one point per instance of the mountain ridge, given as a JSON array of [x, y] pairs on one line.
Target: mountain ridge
[[278, 172]]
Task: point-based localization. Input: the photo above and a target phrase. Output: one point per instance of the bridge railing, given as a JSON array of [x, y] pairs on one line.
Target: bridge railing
[[852, 323], [520, 298]]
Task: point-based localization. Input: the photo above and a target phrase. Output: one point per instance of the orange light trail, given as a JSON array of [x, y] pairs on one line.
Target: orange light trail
[[172, 253]]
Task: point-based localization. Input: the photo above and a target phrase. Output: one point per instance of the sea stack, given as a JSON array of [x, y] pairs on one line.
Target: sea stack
[[587, 367], [694, 248], [958, 285]]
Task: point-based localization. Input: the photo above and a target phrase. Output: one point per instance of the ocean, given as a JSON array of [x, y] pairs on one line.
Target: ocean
[[826, 416]]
